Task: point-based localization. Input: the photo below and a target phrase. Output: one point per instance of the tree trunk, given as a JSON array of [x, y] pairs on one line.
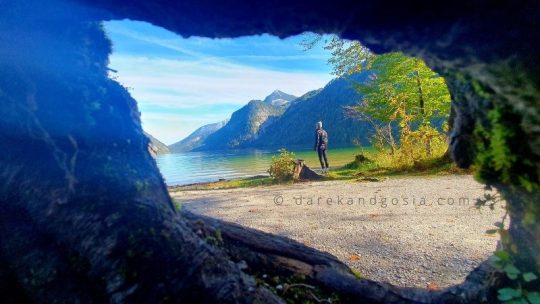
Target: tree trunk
[[391, 138], [303, 173], [420, 92]]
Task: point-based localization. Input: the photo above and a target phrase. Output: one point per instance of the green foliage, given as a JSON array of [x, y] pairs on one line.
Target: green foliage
[[357, 273], [381, 165], [348, 57], [403, 94], [282, 166], [493, 147], [519, 289], [405, 90], [496, 154], [533, 297], [406, 94], [507, 294], [517, 294], [529, 277], [296, 289], [177, 204], [503, 158], [215, 239], [360, 160]]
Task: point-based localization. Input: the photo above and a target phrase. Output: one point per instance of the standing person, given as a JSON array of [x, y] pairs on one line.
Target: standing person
[[321, 144]]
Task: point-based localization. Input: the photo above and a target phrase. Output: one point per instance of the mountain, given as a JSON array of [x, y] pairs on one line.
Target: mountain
[[296, 127], [279, 98], [197, 138], [244, 125], [283, 120], [155, 146]]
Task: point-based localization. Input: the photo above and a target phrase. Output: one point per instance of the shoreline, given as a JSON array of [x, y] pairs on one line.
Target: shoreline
[[204, 185], [335, 174]]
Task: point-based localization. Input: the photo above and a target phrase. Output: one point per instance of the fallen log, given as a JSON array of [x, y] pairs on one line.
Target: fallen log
[[262, 252]]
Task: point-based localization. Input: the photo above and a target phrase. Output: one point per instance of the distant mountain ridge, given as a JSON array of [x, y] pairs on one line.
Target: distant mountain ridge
[[243, 126], [284, 120], [279, 98], [197, 138], [296, 127], [155, 146]]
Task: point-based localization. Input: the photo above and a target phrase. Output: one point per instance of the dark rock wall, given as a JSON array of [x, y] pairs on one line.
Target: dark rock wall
[[85, 215], [78, 184]]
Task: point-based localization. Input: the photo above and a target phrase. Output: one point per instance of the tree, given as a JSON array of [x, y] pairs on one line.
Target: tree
[[403, 89], [403, 93]]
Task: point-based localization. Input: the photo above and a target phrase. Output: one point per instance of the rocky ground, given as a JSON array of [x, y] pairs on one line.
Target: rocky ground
[[409, 231]]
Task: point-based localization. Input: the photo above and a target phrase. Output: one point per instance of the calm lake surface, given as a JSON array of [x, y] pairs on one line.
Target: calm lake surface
[[197, 167]]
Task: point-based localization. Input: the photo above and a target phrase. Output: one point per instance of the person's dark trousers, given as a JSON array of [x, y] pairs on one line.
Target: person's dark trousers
[[322, 157]]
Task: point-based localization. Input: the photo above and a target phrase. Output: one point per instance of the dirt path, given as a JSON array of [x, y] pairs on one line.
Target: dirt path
[[409, 231]]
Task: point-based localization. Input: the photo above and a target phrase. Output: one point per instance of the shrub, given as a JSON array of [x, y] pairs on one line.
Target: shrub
[[359, 161], [282, 166], [415, 150]]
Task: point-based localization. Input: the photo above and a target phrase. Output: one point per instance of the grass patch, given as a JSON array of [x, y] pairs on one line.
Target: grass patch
[[378, 164], [255, 181]]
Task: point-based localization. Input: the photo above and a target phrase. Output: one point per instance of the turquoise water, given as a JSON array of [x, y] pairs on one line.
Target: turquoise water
[[196, 167]]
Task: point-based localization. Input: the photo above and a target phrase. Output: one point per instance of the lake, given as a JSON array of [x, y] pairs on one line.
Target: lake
[[197, 167]]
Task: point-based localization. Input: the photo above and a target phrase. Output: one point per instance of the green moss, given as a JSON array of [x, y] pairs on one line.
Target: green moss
[[480, 90], [177, 204], [501, 155], [215, 239], [357, 274], [296, 289]]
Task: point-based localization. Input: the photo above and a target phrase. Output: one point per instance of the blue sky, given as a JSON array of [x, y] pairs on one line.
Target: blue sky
[[181, 84]]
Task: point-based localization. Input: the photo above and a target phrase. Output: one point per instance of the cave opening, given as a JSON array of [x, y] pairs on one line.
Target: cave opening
[[88, 218], [406, 235]]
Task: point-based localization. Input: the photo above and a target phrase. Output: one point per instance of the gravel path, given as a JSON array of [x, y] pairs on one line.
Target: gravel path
[[424, 236]]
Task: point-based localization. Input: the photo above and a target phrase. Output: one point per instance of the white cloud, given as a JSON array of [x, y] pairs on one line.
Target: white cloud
[[191, 87], [174, 86], [181, 84]]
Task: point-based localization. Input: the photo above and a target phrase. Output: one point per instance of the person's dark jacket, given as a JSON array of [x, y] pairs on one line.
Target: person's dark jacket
[[321, 139]]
